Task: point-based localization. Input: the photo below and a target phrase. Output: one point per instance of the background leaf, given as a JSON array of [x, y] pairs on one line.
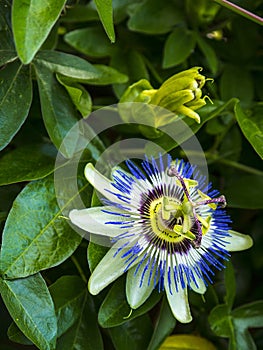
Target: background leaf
[[15, 100], [32, 22], [236, 81], [134, 334], [153, 17], [164, 326], [68, 294], [242, 192], [27, 163], [230, 285], [30, 304], [252, 128], [85, 333], [178, 47], [115, 310], [86, 40]]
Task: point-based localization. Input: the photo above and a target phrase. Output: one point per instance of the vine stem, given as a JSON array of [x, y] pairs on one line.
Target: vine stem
[[240, 10], [78, 267]]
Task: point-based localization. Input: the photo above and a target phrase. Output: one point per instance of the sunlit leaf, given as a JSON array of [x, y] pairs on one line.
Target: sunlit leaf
[[32, 21], [105, 11], [78, 69], [78, 94]]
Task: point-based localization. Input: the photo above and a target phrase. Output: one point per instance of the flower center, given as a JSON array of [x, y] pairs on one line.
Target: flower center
[[170, 220]]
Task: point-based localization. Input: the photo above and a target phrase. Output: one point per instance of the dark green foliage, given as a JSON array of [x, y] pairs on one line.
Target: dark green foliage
[[60, 61]]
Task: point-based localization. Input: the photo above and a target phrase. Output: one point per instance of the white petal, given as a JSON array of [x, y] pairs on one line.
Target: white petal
[[102, 184], [178, 301], [201, 289], [109, 269], [95, 220], [237, 241], [136, 293]]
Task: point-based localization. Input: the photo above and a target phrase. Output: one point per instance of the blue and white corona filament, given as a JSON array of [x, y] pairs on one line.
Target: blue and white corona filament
[[168, 228]]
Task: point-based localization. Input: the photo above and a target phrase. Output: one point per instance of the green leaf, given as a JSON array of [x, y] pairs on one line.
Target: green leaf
[[35, 236], [231, 145], [78, 94], [249, 315], [78, 69], [27, 163], [80, 13], [130, 63], [252, 128], [243, 191], [236, 81], [115, 310], [221, 321], [57, 108], [30, 305], [230, 283], [243, 340], [109, 75], [95, 253], [7, 56], [105, 11], [178, 47], [86, 40], [134, 334], [32, 21], [208, 52], [6, 35], [154, 17], [15, 100], [16, 335], [85, 333], [68, 294], [164, 326]]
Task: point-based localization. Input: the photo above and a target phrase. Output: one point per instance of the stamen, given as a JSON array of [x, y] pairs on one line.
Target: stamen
[[219, 200]]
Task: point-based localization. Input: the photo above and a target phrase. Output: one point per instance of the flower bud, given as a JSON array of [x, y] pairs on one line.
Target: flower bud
[[181, 94]]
